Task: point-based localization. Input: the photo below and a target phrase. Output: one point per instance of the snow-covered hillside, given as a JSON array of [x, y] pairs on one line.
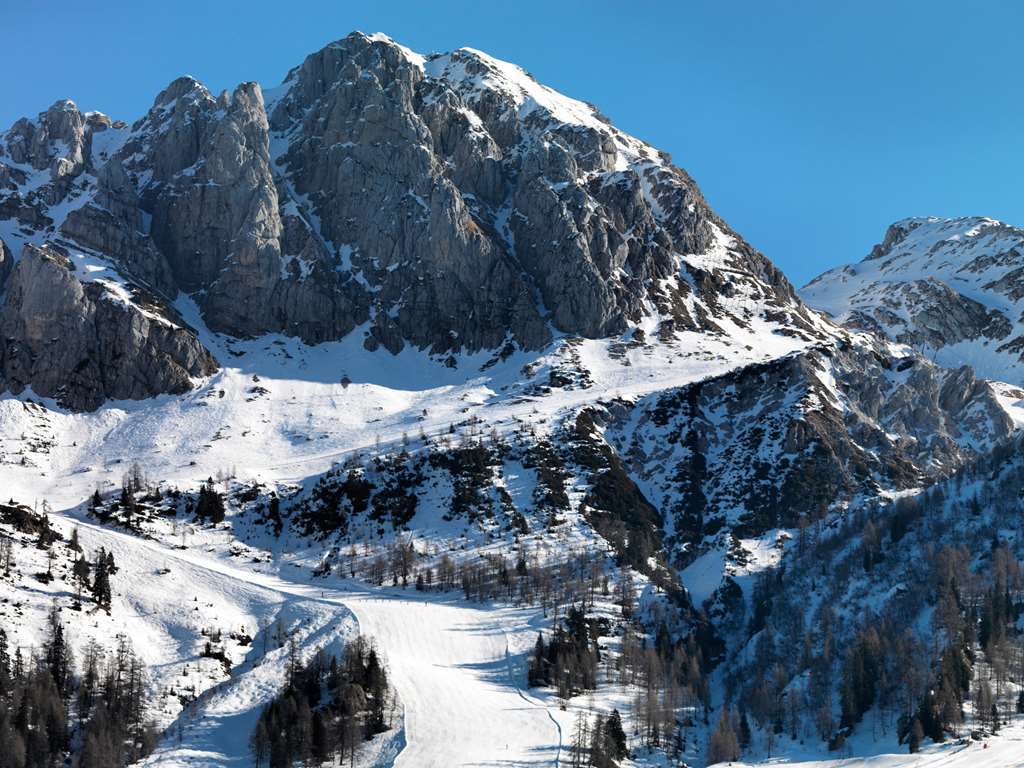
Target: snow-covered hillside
[[951, 288], [455, 364]]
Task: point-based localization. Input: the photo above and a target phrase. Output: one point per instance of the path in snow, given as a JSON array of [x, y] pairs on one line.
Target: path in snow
[[458, 667], [453, 666]]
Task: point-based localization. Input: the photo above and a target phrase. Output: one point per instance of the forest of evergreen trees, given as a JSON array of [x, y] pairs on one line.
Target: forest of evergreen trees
[[950, 555], [328, 707], [569, 659], [49, 712]]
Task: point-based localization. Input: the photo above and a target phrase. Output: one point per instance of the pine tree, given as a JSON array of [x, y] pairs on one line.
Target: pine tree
[[58, 655], [210, 505], [616, 735], [81, 570], [101, 581], [916, 736], [537, 671], [744, 734], [6, 683]]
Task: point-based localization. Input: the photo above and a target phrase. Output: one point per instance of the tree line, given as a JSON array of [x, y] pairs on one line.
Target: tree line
[[49, 713], [327, 708]]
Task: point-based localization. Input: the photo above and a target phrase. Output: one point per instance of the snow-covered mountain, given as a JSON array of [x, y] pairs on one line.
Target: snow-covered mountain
[[424, 315], [449, 202], [951, 288]]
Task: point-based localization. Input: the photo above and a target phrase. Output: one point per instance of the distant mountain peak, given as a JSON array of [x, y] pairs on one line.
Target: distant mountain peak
[[951, 287]]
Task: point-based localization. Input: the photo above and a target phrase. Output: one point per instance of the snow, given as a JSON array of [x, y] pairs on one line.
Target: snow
[[976, 257], [459, 669], [1001, 752], [278, 413], [306, 420]]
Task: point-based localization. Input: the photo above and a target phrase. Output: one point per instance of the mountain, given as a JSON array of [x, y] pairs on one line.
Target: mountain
[[466, 207], [423, 320], [951, 288], [382, 209]]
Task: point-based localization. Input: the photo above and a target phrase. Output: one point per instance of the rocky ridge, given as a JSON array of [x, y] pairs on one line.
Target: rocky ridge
[[448, 202], [951, 288], [453, 205]]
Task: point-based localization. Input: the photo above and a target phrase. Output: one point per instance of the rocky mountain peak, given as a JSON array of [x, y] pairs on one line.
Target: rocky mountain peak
[[450, 203], [953, 288]]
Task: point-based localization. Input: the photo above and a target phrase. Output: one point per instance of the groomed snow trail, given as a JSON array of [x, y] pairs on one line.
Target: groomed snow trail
[[458, 667], [450, 662]]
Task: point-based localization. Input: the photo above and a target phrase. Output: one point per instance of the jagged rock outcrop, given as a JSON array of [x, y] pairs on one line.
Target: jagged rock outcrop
[[81, 343], [450, 202], [6, 264], [763, 446], [952, 288], [458, 183]]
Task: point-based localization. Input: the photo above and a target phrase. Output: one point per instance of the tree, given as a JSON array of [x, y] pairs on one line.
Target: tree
[[723, 745], [259, 743], [580, 742], [916, 736], [537, 674], [615, 735], [984, 703], [870, 545], [101, 581], [744, 734], [58, 654], [210, 504], [80, 571]]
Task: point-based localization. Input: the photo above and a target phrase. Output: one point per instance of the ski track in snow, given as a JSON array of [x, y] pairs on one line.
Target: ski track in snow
[[456, 666], [448, 662]]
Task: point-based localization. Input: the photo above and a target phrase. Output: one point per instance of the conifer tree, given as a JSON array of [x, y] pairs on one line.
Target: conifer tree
[[101, 580], [916, 736], [723, 745]]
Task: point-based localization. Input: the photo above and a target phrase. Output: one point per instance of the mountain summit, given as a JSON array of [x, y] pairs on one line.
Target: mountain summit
[[952, 288], [449, 202], [412, 369]]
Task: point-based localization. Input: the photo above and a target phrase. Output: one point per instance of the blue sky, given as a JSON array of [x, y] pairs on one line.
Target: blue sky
[[810, 126]]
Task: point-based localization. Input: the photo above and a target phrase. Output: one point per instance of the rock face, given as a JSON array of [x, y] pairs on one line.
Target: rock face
[[450, 202], [479, 204], [6, 264], [952, 288], [81, 343], [759, 448]]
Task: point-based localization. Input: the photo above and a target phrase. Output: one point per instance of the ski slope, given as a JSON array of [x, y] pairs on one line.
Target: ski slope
[[1006, 751], [458, 667]]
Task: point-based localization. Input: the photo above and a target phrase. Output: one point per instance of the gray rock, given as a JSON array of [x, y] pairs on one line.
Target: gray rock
[[762, 446], [6, 264], [952, 288], [421, 198], [74, 342]]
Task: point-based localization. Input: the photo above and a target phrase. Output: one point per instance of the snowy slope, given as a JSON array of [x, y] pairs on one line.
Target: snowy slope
[[953, 288], [720, 389], [279, 412]]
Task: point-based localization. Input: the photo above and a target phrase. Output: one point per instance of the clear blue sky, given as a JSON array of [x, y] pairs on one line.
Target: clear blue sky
[[810, 126]]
